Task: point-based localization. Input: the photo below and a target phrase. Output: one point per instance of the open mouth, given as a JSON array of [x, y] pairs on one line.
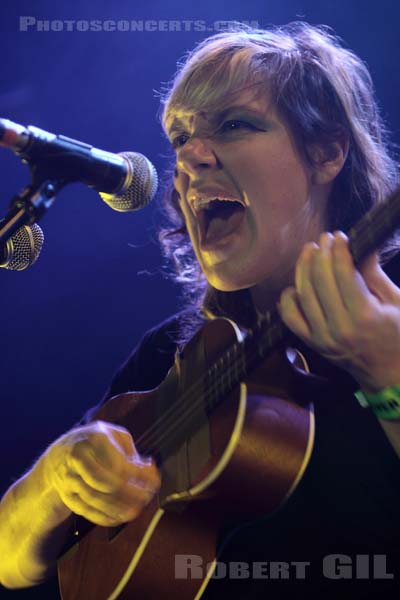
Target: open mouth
[[218, 218]]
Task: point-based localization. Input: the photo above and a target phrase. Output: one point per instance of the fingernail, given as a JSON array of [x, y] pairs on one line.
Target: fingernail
[[326, 239], [339, 235]]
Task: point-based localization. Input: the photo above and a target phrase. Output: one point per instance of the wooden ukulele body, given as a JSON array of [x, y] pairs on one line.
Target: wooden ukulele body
[[241, 460]]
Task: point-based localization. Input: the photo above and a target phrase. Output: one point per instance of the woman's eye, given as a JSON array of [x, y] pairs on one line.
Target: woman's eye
[[235, 124], [179, 140], [232, 125]]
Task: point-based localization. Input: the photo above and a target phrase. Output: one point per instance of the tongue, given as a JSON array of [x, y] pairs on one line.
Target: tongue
[[225, 221]]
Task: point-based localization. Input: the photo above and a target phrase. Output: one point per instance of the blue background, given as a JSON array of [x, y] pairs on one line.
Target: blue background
[[69, 321]]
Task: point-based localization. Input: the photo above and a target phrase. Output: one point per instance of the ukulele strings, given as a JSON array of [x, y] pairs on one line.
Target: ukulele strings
[[182, 411]]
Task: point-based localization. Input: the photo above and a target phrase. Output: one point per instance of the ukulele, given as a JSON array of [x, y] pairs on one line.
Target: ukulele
[[232, 430]]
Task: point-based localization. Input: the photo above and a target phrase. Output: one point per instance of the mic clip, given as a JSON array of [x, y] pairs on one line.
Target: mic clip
[[29, 206]]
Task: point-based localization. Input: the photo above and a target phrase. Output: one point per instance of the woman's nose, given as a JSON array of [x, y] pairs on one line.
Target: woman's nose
[[197, 154]]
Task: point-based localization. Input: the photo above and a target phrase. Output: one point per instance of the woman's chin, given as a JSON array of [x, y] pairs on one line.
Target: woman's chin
[[229, 284]]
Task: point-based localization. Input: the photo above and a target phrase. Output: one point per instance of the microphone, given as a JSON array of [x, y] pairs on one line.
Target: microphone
[[126, 181], [22, 249]]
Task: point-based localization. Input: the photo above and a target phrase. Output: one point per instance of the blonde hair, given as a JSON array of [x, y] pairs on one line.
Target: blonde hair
[[325, 94]]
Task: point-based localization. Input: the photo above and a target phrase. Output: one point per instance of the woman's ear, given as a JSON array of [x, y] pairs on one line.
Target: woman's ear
[[328, 161]]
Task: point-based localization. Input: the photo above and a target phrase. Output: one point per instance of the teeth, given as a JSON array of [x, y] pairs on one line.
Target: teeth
[[205, 203]]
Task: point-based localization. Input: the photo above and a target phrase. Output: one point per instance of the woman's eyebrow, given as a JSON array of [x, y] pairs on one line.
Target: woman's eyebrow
[[240, 107], [177, 125]]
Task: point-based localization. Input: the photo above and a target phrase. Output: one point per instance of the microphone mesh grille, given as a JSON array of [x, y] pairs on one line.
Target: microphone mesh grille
[[23, 248], [142, 186]]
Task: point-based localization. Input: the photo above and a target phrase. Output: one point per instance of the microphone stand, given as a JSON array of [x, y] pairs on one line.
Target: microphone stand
[[29, 206]]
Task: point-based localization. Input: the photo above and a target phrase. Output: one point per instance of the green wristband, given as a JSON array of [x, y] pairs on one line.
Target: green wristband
[[385, 404]]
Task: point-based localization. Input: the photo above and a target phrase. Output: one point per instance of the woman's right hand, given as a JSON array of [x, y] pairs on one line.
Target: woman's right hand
[[98, 474]]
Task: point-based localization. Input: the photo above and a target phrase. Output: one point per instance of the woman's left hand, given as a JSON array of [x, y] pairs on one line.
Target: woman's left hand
[[351, 317]]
